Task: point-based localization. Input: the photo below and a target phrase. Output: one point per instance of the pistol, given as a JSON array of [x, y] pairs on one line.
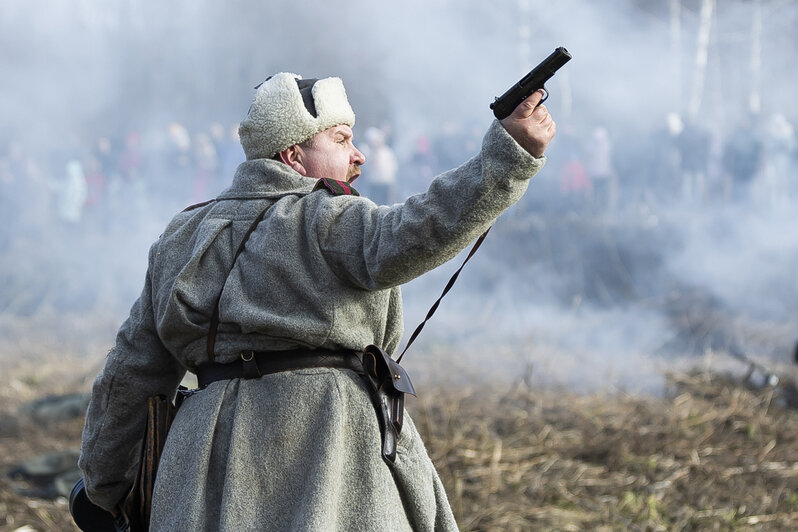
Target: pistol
[[536, 79]]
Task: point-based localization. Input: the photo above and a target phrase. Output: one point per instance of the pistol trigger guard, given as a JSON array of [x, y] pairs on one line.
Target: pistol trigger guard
[[545, 96]]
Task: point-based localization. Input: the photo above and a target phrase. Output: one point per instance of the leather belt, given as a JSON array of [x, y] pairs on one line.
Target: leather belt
[[254, 364]]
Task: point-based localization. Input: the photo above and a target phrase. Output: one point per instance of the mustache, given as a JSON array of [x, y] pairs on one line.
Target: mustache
[[354, 171]]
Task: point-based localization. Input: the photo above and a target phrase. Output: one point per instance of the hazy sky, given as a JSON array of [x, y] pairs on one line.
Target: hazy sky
[[70, 64]]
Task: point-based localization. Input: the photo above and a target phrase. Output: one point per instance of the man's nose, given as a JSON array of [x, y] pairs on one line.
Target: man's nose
[[358, 157]]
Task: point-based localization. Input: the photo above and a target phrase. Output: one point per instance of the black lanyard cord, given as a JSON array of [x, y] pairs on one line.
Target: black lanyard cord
[[445, 291]]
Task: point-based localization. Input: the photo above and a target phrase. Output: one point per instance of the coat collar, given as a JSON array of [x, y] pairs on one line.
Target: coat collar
[[267, 178]]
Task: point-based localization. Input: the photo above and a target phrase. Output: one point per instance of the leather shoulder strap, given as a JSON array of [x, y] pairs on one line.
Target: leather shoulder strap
[[214, 324], [198, 205]]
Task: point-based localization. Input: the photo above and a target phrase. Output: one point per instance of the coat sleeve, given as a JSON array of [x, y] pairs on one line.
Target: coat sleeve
[[137, 367], [380, 247]]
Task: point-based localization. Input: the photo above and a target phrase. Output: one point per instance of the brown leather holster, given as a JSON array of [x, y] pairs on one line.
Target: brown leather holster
[[160, 414], [133, 512], [389, 383]]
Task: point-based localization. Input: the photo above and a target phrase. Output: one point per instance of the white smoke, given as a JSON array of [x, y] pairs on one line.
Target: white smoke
[[76, 71]]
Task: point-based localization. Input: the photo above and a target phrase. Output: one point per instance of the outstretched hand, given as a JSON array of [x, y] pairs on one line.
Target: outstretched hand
[[531, 125]]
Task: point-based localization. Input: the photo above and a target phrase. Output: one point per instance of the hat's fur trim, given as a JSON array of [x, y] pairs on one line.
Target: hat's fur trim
[[278, 118]]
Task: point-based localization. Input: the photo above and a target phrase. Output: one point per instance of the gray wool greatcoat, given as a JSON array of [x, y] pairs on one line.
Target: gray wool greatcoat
[[298, 450]]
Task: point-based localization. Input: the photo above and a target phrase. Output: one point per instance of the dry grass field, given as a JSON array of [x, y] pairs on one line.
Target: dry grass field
[[711, 454]]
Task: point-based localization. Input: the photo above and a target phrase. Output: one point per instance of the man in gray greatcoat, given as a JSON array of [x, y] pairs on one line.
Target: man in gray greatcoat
[[283, 266]]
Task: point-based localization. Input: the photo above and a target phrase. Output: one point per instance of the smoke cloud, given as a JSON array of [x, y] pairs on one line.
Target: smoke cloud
[[117, 115]]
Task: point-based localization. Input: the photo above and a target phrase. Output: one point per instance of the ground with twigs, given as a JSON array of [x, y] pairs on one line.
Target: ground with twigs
[[712, 453]]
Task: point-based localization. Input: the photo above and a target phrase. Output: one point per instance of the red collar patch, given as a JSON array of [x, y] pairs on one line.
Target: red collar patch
[[337, 188]]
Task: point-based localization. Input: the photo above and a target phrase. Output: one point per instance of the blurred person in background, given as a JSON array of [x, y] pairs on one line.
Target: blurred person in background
[[693, 143], [600, 170], [778, 174], [205, 164], [574, 182], [177, 162], [24, 177], [71, 192], [382, 167], [95, 197], [742, 159], [270, 293], [228, 148]]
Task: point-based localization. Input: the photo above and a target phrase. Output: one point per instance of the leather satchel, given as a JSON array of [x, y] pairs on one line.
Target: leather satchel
[[138, 504], [134, 510]]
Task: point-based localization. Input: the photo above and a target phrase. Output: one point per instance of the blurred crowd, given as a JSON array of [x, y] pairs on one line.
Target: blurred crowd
[[113, 180], [684, 163], [600, 169], [65, 211], [103, 187], [117, 180], [60, 208]]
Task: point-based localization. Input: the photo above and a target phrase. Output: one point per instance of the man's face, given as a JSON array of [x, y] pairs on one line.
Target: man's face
[[332, 154]]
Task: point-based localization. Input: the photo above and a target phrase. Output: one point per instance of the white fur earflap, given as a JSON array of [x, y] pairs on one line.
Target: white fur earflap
[[279, 119]]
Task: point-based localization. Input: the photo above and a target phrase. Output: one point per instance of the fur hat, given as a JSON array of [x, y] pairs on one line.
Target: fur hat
[[288, 110]]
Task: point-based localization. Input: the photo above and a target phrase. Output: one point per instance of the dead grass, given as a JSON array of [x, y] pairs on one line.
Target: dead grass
[[710, 455], [713, 455]]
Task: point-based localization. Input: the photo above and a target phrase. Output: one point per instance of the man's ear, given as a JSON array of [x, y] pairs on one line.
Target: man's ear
[[292, 156]]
